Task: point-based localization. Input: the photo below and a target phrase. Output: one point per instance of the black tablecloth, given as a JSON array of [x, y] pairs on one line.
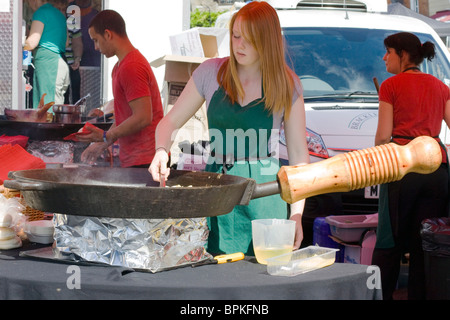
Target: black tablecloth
[[29, 278]]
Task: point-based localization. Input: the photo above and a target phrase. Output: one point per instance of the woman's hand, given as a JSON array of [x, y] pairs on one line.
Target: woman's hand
[[298, 230], [159, 164]]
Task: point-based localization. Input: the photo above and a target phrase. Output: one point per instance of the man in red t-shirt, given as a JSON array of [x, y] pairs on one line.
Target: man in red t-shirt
[[137, 101]]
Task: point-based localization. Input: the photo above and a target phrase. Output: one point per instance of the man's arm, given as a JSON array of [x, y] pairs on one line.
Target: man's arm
[[142, 116]]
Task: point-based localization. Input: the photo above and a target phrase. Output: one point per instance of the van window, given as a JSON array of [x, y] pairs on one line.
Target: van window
[[337, 61]]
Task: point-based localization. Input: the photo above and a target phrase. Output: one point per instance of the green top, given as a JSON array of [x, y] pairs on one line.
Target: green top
[[55, 29]]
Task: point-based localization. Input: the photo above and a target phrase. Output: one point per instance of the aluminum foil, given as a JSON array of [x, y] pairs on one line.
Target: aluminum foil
[[146, 244], [52, 151]]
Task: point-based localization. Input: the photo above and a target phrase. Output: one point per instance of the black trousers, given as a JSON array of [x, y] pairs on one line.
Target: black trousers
[[411, 200]]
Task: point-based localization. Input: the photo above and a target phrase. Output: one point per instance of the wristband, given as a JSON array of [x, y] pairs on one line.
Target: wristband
[[161, 148], [104, 137]]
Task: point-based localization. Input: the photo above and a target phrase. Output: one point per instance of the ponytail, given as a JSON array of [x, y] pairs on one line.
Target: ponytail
[[428, 50]]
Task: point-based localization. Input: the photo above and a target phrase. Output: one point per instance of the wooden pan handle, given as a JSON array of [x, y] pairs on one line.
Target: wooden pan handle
[[358, 169]]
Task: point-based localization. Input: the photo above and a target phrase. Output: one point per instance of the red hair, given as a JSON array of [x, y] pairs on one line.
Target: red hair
[[261, 28]]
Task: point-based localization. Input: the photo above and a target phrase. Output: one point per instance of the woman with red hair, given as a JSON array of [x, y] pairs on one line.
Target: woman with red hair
[[249, 96]]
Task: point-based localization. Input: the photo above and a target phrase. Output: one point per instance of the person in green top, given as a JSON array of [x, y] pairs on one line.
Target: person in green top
[[47, 39], [249, 96]]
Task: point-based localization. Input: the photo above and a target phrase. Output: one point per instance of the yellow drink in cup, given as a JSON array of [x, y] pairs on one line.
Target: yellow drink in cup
[[272, 237], [262, 253]]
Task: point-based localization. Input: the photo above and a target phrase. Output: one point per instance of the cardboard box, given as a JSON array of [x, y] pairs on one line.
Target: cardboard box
[[187, 43], [201, 42], [178, 71], [195, 129], [189, 49], [359, 253]]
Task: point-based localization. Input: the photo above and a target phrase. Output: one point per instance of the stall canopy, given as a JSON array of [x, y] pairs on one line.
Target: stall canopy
[[441, 28], [442, 16]]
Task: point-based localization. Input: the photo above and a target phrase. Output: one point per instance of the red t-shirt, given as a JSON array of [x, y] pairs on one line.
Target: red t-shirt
[[419, 102], [133, 78]]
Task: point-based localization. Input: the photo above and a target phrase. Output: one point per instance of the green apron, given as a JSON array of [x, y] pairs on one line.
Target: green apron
[[230, 125], [44, 78], [385, 237]]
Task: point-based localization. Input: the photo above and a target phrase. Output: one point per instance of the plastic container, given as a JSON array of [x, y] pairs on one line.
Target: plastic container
[[301, 261], [272, 237], [321, 234], [362, 252], [40, 231], [351, 228], [321, 238]]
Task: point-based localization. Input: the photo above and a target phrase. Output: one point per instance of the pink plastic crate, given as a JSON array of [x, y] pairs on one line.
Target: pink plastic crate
[[350, 228]]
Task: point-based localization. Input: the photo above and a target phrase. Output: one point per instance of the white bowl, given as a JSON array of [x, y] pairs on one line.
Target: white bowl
[[39, 239], [40, 227], [40, 231]]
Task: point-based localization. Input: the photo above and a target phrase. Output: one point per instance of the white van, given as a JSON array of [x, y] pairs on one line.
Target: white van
[[336, 48]]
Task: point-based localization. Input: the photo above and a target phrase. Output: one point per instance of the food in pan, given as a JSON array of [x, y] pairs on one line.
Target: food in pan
[[31, 115]]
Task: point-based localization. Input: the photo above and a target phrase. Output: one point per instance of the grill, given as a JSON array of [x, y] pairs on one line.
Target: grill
[[355, 203]]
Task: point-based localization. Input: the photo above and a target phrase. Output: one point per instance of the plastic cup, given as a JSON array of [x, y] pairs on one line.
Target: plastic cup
[[272, 237]]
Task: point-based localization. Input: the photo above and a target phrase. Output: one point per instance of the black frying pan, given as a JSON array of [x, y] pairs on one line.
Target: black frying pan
[[128, 192], [131, 193]]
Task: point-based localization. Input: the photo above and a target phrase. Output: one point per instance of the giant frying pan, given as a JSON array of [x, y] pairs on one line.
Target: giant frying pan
[[131, 193]]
